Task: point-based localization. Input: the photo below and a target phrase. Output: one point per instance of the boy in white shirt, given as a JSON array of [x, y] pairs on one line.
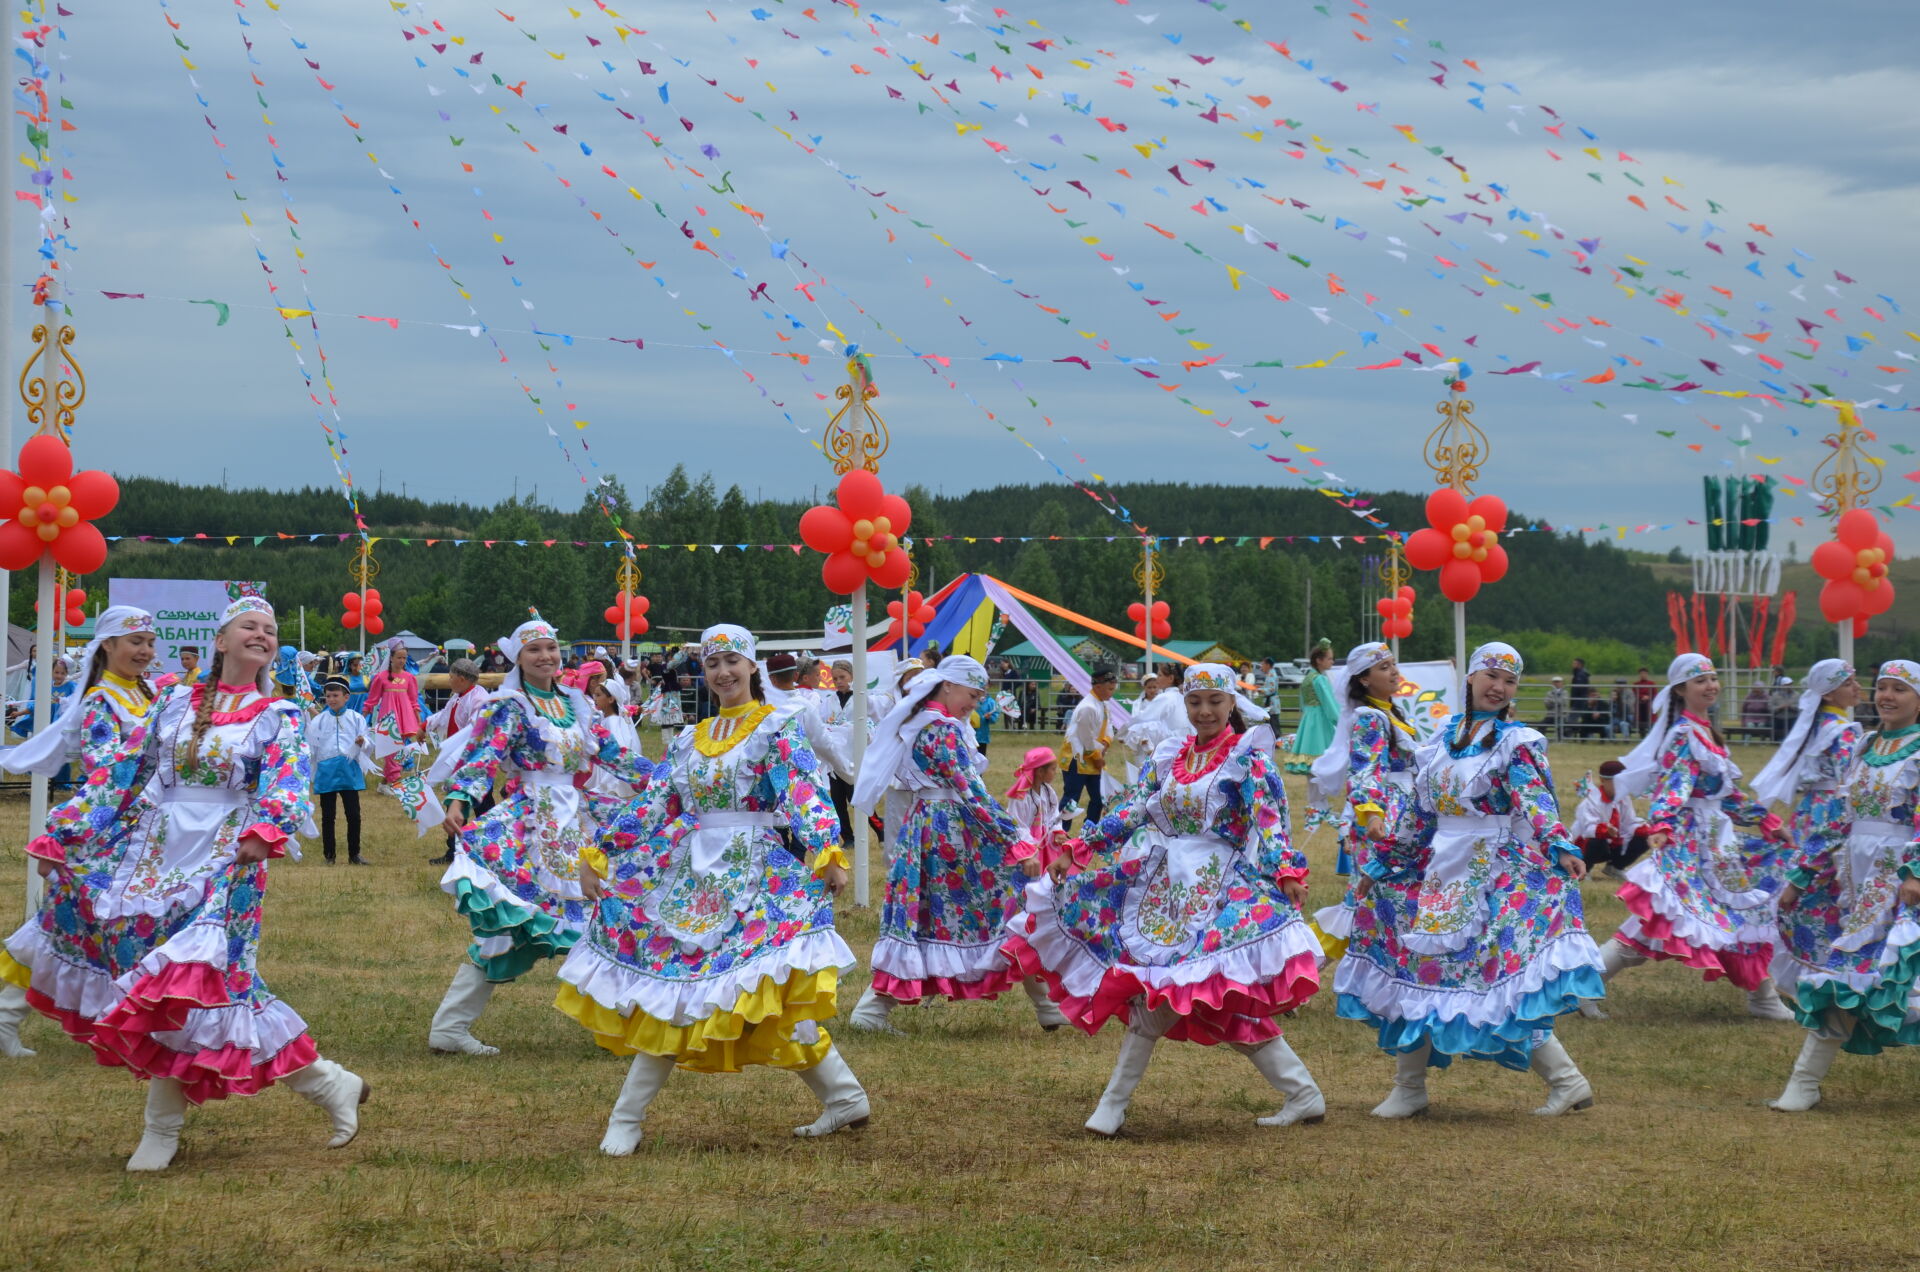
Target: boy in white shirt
[[1605, 826], [338, 738]]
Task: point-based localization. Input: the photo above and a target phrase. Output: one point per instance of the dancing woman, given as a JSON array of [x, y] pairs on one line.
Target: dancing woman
[[1370, 758], [1810, 769], [711, 944], [1468, 940], [1186, 921], [515, 875], [952, 878], [156, 874], [393, 710], [1320, 708], [1704, 893], [1849, 953]]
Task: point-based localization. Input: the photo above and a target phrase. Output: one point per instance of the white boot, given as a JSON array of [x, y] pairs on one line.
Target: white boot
[[873, 1013], [1044, 1009], [1567, 1087], [645, 1077], [1616, 958], [1765, 1003], [13, 1010], [1281, 1066], [1803, 1087], [843, 1099], [338, 1093], [1144, 1028], [1409, 1095], [166, 1114], [451, 1032]]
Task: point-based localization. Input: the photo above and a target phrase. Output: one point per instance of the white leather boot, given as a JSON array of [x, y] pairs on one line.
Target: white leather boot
[[166, 1114], [645, 1077], [873, 1013], [1764, 1003], [1044, 1009], [1409, 1095], [13, 1010], [1803, 1087], [1144, 1028], [452, 1029], [1567, 1087], [843, 1099], [338, 1093], [1280, 1065]]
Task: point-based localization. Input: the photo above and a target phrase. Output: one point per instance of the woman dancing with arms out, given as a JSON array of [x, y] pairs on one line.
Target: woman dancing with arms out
[[514, 874], [1371, 759], [1849, 953], [1704, 893], [711, 943], [145, 949], [1190, 927], [1469, 941], [953, 881]]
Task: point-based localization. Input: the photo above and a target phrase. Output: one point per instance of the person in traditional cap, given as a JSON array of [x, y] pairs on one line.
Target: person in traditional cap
[[1089, 734], [191, 671], [464, 700], [342, 749], [514, 875], [1320, 708], [157, 872], [1716, 859], [1809, 771], [712, 946], [1468, 940], [952, 880], [1179, 913], [1849, 953]]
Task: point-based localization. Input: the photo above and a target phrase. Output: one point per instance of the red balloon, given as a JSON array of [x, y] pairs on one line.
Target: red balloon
[[613, 614], [1833, 560], [1460, 580], [351, 620], [1856, 528], [1406, 593], [1840, 600], [373, 593], [824, 528], [82, 549], [1446, 508], [843, 572], [1877, 599], [639, 626], [1490, 508], [861, 496], [1859, 628], [375, 607], [76, 596], [350, 600], [898, 513], [19, 546], [1160, 609], [1162, 630], [892, 573], [375, 626], [1494, 568], [1137, 612], [1428, 549], [640, 606], [1384, 607]]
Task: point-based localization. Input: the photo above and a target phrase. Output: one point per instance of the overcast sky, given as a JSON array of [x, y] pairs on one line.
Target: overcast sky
[[1798, 120]]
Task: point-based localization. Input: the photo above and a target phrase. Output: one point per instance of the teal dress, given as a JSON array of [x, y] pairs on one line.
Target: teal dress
[[1319, 713]]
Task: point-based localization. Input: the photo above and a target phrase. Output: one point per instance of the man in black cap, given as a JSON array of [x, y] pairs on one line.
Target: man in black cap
[[1088, 736]]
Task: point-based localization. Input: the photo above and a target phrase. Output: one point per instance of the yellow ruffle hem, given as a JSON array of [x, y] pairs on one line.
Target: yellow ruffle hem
[[759, 1029], [14, 972], [593, 856], [1334, 948]]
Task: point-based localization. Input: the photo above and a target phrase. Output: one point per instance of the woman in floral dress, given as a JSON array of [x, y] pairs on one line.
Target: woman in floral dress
[[1810, 769], [711, 944], [1849, 953], [393, 710], [156, 871], [1716, 860], [1185, 922], [1371, 760], [514, 874], [952, 878], [1469, 941]]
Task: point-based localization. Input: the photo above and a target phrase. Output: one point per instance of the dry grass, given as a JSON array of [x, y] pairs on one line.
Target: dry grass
[[974, 1159]]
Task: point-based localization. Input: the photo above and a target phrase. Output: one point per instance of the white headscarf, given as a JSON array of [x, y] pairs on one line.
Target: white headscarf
[[1495, 656], [1219, 678], [59, 744], [246, 605], [535, 628], [1636, 778], [511, 684], [1899, 669], [904, 722], [1780, 779], [1330, 768], [726, 638]]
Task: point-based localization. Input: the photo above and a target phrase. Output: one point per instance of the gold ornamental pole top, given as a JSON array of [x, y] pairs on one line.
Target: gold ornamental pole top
[[856, 435], [627, 575], [1456, 448], [1395, 573], [1839, 478], [52, 385], [1148, 566]]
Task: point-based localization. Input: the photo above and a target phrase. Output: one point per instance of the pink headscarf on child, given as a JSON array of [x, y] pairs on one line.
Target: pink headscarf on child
[[1030, 763]]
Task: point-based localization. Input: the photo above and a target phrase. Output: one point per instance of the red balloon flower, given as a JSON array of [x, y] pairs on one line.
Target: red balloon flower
[[356, 614], [1396, 614], [917, 614], [628, 614], [861, 536], [1462, 543], [52, 509], [1854, 563], [1139, 614]]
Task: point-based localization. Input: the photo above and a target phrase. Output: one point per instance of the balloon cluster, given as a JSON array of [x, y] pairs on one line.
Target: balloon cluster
[[1854, 563], [1462, 542], [916, 614], [369, 615], [1396, 613], [1140, 616], [71, 603], [51, 509], [628, 614], [861, 536]]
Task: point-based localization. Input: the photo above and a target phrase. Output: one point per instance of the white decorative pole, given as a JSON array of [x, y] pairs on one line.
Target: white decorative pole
[[857, 630]]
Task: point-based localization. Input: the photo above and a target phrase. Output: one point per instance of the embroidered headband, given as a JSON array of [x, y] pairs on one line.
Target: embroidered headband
[[1689, 667], [1900, 669], [726, 638], [246, 605], [1496, 656]]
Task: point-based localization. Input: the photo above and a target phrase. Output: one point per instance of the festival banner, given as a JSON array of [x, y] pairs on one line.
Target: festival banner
[[185, 611], [1427, 695]]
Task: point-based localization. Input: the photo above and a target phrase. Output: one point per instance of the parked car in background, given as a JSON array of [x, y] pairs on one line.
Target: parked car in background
[[1292, 674]]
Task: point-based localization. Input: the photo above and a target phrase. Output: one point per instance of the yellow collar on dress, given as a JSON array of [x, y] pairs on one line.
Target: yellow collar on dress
[[716, 735], [130, 694], [1392, 715]]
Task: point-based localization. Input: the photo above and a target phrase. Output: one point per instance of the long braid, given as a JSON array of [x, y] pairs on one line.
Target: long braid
[[203, 714]]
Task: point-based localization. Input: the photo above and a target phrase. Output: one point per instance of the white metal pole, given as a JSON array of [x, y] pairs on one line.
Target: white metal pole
[[303, 627], [1306, 638], [857, 628], [363, 601], [1846, 641], [1147, 548], [1460, 652], [43, 654]]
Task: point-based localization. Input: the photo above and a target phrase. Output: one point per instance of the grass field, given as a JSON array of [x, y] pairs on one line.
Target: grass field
[[975, 1157]]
